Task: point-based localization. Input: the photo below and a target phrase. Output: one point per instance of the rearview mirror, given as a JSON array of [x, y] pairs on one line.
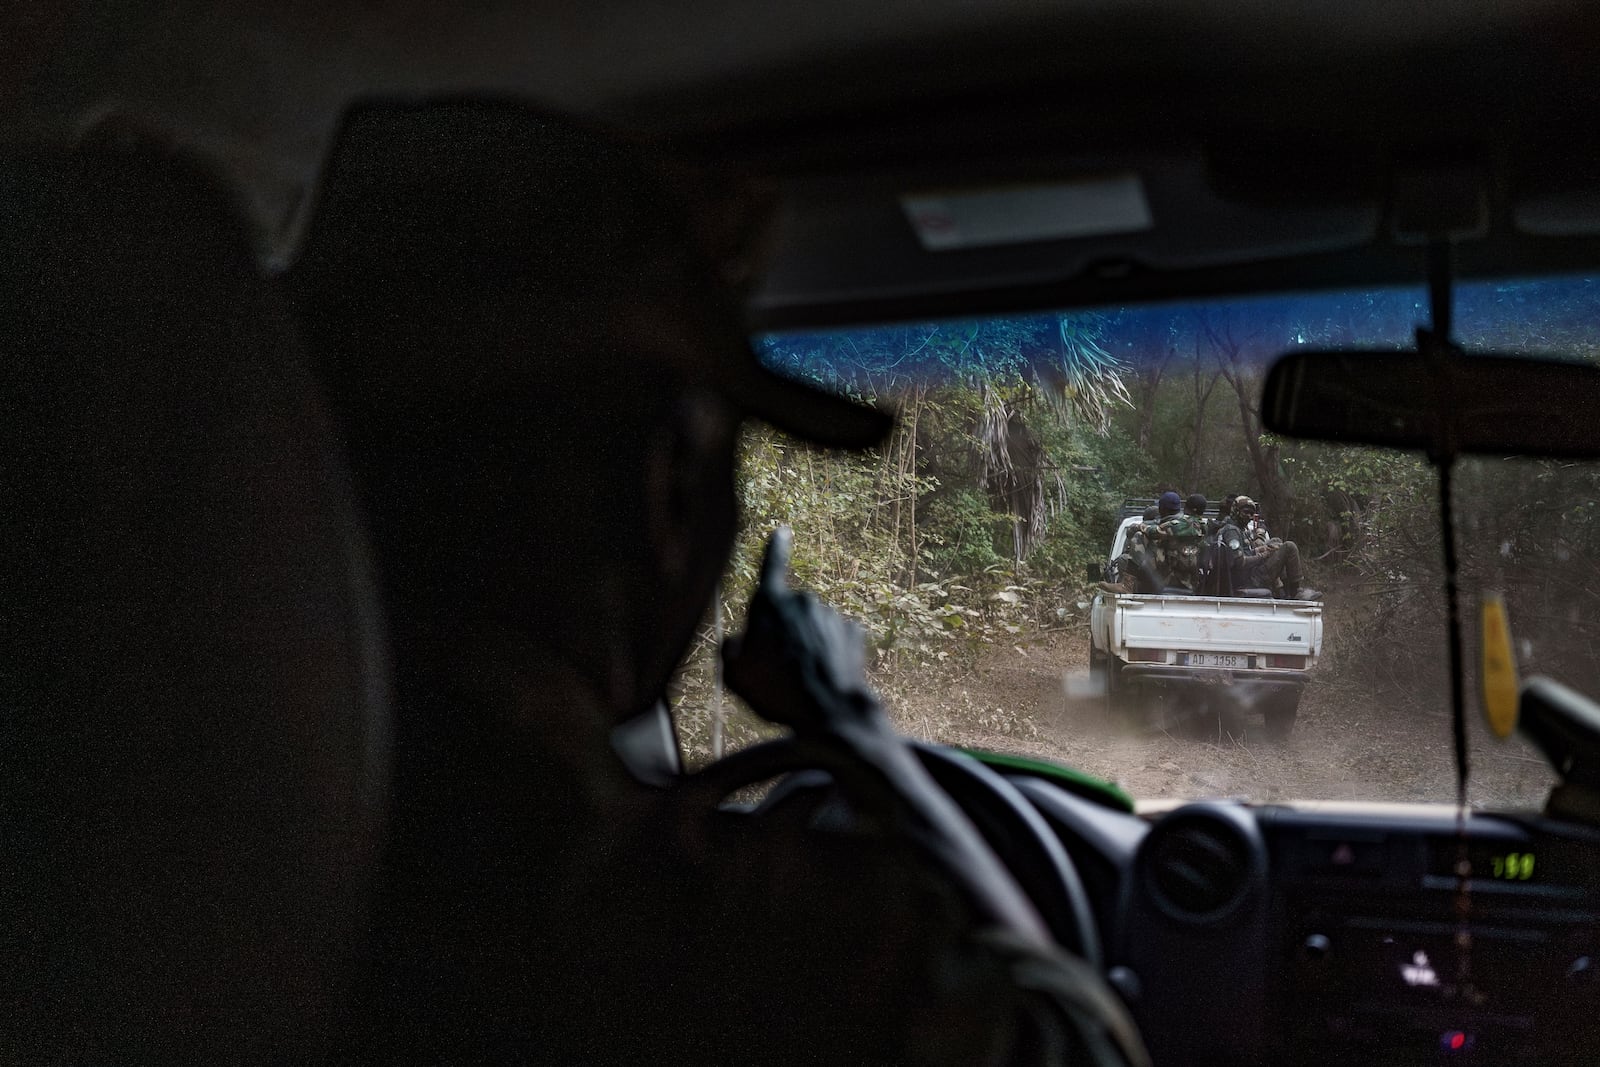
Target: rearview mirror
[[1461, 404]]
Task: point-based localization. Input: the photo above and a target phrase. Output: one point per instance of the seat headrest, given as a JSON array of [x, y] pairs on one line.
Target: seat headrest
[[193, 723]]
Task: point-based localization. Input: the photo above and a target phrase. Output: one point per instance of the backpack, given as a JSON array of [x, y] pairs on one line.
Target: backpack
[[1180, 541]]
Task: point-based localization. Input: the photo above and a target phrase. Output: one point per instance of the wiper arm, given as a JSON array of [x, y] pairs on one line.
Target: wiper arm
[[1441, 354], [1435, 345]]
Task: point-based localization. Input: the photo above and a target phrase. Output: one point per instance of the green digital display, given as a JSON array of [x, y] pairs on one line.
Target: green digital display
[[1522, 862], [1512, 866]]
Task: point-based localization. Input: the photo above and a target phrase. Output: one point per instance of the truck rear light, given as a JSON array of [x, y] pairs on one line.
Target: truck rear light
[[1147, 655], [1295, 663]]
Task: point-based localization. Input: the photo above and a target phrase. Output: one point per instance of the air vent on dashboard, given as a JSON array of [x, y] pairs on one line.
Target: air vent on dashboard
[[1199, 864]]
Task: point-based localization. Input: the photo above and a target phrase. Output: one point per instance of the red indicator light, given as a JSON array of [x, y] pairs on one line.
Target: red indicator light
[[1457, 1039]]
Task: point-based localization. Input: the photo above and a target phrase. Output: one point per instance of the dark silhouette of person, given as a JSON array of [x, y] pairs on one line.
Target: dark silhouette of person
[[542, 377]]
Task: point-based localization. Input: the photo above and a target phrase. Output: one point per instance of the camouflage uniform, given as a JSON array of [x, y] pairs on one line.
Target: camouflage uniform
[[1265, 559], [1176, 545], [1160, 555], [1136, 562]]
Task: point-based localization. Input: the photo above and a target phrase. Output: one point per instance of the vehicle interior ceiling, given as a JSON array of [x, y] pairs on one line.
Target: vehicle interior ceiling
[[1273, 155]]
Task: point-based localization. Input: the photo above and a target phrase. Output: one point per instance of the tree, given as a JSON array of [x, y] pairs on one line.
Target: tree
[[1204, 382], [1078, 381], [1145, 344], [1229, 349]]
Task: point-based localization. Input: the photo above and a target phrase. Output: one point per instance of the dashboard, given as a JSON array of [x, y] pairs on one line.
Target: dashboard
[[1342, 933]]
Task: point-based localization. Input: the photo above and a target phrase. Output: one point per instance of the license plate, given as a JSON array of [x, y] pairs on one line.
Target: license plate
[[1216, 659]]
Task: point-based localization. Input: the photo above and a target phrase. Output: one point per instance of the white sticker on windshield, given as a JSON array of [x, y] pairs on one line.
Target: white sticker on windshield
[[1021, 213]]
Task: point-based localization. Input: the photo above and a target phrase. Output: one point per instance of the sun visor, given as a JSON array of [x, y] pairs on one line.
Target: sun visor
[[997, 216], [854, 241]]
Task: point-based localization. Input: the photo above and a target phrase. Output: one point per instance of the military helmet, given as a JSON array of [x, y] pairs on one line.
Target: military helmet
[[1243, 507]]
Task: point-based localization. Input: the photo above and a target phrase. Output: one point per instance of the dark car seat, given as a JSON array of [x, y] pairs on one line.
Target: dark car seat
[[193, 737]]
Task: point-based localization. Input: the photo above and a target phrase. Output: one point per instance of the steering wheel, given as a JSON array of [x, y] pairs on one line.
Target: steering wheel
[[815, 776]]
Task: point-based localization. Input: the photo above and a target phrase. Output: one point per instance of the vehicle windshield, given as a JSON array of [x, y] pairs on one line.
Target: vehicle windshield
[[979, 549]]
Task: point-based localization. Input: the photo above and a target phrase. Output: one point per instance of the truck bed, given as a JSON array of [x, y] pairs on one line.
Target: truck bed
[[1200, 624]]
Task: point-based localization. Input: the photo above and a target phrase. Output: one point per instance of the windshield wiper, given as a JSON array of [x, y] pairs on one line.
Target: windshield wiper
[[1440, 355]]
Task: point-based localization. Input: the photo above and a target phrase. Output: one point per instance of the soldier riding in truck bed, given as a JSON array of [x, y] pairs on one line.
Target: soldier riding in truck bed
[[1192, 549]]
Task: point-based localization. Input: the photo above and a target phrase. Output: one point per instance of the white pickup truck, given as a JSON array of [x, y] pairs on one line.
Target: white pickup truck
[[1255, 653]]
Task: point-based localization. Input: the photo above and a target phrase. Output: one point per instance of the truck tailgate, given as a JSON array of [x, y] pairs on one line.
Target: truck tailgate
[[1219, 624]]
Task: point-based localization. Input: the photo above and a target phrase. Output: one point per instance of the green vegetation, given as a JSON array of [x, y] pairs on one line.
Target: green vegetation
[[1018, 438]]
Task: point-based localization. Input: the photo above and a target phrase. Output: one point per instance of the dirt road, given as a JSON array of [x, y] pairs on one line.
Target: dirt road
[[1347, 744]]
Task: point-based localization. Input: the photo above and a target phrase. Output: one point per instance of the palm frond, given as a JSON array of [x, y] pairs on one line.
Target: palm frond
[[1085, 382]]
